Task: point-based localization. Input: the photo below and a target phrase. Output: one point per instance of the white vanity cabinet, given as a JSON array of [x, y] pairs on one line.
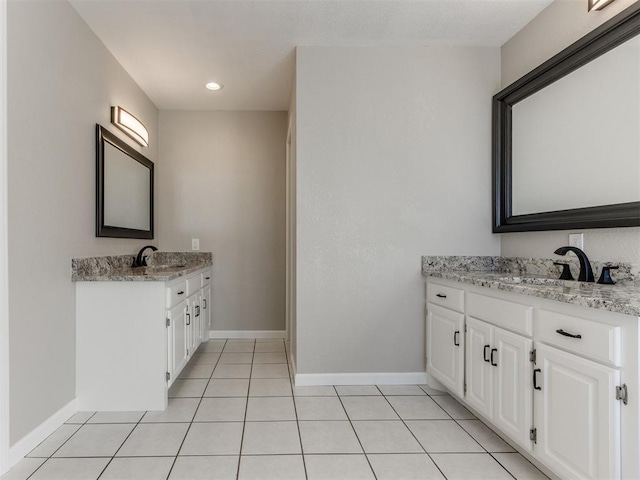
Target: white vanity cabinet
[[133, 338], [559, 380], [206, 302], [177, 353], [445, 337], [498, 366], [577, 415], [578, 418]]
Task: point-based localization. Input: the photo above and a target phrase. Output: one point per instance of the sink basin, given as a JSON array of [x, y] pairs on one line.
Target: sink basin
[[162, 268], [534, 281]]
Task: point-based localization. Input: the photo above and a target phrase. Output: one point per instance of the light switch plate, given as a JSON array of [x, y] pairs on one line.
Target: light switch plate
[[576, 240], [195, 244]]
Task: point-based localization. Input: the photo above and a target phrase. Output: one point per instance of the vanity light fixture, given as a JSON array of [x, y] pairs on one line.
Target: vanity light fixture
[[598, 4], [130, 125], [214, 86]]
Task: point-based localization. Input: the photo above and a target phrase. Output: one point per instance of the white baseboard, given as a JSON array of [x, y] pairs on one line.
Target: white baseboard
[[247, 334], [314, 379], [30, 441]]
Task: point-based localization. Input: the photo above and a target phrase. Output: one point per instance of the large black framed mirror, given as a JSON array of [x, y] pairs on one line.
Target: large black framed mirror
[[124, 189], [566, 136]]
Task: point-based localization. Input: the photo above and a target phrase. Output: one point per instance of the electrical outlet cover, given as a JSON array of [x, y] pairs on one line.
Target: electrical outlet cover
[[195, 244], [576, 240]]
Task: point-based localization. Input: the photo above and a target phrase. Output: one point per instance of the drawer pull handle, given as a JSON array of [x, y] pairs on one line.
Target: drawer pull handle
[[493, 350], [484, 354], [207, 278], [440, 295], [205, 302], [188, 319], [567, 334], [535, 379], [456, 338], [181, 292], [197, 310]]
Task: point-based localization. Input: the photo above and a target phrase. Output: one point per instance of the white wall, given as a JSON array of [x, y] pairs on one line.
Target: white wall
[[555, 28], [292, 228], [61, 82], [4, 267], [393, 162], [223, 181]]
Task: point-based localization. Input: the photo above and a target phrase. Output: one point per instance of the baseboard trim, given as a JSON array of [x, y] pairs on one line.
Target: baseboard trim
[[30, 441], [247, 334], [317, 379]]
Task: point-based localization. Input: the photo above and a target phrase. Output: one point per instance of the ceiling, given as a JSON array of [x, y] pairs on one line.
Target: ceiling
[[171, 48]]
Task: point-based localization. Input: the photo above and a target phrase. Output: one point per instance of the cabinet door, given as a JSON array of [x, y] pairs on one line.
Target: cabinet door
[[206, 308], [479, 373], [513, 389], [577, 416], [445, 347], [193, 305], [177, 341], [199, 321]]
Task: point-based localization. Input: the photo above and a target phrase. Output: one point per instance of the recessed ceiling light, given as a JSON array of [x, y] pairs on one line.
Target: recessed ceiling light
[[214, 86]]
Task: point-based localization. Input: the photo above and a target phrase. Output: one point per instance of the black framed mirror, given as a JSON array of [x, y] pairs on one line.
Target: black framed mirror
[[566, 149], [124, 189]]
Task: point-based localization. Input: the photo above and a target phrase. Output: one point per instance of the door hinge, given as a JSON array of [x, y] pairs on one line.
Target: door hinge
[[168, 322], [533, 435], [168, 376], [622, 394], [532, 356], [465, 388], [465, 328]]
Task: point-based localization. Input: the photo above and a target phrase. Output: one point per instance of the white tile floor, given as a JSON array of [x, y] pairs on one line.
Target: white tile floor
[[234, 413]]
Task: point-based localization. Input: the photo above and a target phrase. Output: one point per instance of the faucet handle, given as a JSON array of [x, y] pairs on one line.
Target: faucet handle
[[605, 276], [566, 271]]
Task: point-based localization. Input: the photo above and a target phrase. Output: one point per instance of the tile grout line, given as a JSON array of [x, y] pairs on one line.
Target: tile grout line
[[356, 433], [411, 431], [123, 442], [467, 432], [500, 463], [246, 408], [295, 410], [195, 412], [61, 445]]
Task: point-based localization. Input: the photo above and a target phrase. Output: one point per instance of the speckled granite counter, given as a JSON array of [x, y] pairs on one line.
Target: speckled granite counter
[[162, 267], [536, 277]]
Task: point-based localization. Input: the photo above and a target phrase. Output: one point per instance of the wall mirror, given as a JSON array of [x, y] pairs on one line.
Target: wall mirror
[[124, 189], [566, 136]]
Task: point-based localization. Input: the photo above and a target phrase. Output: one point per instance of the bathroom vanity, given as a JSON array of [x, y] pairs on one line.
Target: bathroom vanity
[[136, 328], [551, 365]]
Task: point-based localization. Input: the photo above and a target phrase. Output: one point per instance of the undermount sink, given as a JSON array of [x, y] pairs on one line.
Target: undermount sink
[[534, 280], [159, 268]]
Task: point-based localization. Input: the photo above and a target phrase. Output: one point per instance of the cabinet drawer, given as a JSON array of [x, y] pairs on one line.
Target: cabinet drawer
[[449, 297], [510, 315], [176, 293], [598, 341], [194, 283], [206, 277]]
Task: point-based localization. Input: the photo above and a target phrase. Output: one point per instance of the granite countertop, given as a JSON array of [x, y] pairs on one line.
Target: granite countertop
[[538, 280], [162, 267]]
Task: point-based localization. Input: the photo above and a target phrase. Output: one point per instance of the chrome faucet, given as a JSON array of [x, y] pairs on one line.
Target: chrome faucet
[[586, 274], [141, 261]]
